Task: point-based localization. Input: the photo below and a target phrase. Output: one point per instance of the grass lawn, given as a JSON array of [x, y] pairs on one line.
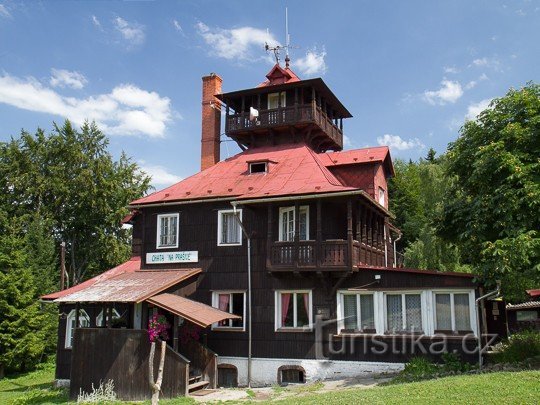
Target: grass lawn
[[495, 388]]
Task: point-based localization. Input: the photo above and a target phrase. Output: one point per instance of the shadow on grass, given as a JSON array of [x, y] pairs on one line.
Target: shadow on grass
[[42, 396], [24, 388]]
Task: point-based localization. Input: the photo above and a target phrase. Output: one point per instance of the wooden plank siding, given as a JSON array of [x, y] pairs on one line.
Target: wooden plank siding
[[122, 355], [225, 268]]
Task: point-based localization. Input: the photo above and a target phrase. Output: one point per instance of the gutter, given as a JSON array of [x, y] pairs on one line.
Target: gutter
[[310, 197], [180, 202]]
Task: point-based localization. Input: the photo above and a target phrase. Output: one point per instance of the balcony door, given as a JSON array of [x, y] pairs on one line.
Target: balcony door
[[287, 223]]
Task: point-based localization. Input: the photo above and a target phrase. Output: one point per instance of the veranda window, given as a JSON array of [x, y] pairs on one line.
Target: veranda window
[[452, 312], [84, 322], [358, 312], [403, 313], [293, 309], [287, 223]]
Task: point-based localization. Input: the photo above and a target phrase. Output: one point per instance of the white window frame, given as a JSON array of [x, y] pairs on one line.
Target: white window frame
[[382, 196], [341, 309], [158, 235], [423, 311], [287, 209], [220, 228], [277, 313], [276, 96], [215, 304], [83, 316], [472, 318], [99, 318], [258, 163]]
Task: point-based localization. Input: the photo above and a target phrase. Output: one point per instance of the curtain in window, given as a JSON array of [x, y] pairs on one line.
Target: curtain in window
[[413, 315], [442, 311], [168, 230], [229, 228], [223, 304], [367, 312], [394, 314], [350, 312], [461, 312], [286, 313], [302, 309]]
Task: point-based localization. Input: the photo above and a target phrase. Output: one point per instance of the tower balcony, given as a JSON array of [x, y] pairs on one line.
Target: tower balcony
[[307, 121]]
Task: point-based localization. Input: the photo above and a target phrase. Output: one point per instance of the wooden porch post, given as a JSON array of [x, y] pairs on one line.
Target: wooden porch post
[[109, 317], [269, 240], [296, 233], [318, 244], [349, 234], [175, 333], [104, 315], [77, 313]]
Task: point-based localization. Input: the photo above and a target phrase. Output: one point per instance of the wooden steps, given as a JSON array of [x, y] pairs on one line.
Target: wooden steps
[[199, 385]]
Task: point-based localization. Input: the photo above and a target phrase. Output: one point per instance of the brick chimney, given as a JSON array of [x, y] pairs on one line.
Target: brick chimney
[[211, 121]]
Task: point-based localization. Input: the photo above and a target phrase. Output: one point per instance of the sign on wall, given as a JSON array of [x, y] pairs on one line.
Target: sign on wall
[[172, 257]]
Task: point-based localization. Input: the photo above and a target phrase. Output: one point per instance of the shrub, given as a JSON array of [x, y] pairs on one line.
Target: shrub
[[104, 393], [419, 367], [453, 363], [520, 346]]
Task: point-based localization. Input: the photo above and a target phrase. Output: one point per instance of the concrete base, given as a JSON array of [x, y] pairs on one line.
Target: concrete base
[[264, 372], [61, 383]]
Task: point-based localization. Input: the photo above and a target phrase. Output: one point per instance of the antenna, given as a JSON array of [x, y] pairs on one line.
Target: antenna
[[287, 38]]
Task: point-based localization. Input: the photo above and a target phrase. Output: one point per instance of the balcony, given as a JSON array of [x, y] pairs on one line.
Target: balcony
[[328, 255], [298, 115]]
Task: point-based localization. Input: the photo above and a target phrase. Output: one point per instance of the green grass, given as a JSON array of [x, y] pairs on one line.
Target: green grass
[[493, 388], [32, 388]]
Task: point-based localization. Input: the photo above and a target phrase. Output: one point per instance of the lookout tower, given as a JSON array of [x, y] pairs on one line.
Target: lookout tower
[[284, 109]]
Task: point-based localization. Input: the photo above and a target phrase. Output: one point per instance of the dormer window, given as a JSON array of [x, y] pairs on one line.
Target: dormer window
[[167, 231], [258, 167], [273, 100]]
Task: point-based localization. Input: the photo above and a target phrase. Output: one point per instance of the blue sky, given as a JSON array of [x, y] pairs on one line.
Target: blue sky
[[410, 72]]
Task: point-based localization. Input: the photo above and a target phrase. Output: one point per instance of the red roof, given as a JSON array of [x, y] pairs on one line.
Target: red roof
[[359, 156], [128, 267], [279, 75], [293, 170], [534, 293]]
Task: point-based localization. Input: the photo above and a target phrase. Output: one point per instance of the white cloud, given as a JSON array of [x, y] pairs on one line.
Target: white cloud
[[126, 110], [132, 32], [476, 108], [492, 63], [313, 63], [177, 26], [480, 62], [451, 69], [160, 175], [396, 142], [473, 83], [237, 43], [95, 21], [66, 78], [450, 92], [4, 12]]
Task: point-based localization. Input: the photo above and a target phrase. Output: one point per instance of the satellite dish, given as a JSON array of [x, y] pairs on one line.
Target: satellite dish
[[253, 114]]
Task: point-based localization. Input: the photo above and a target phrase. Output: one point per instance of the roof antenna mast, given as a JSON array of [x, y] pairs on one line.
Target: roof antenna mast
[[287, 38]]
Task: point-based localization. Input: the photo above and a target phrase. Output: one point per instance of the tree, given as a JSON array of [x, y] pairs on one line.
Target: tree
[[71, 182], [492, 206], [24, 328], [416, 197]]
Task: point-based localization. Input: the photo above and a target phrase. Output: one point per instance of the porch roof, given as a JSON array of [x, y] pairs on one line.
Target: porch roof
[[196, 312], [130, 287]]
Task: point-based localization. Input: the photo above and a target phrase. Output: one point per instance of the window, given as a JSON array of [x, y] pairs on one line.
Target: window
[[99, 318], [233, 302], [403, 313], [229, 231], [273, 100], [84, 322], [293, 310], [526, 316], [381, 196], [357, 312], [452, 312], [287, 223], [258, 167], [167, 231]]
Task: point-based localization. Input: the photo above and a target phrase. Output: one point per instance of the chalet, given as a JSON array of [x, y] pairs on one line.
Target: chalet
[[277, 265]]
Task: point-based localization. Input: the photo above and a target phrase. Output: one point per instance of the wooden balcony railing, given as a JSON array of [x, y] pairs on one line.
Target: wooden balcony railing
[[296, 114], [328, 254]]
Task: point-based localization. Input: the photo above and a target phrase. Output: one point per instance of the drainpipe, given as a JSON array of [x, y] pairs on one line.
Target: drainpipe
[[492, 294], [395, 251], [385, 248], [248, 238]]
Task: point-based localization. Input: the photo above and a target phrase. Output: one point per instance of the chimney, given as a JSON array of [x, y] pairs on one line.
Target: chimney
[[211, 121]]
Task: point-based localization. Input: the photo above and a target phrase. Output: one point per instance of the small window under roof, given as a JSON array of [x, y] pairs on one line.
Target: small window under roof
[[258, 167]]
